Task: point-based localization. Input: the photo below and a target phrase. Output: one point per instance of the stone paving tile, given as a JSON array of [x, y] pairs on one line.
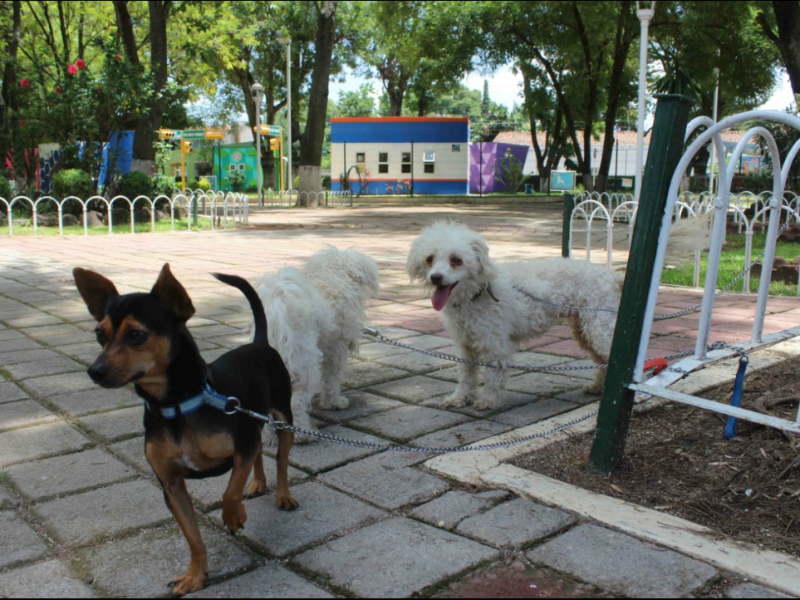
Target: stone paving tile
[[18, 344], [10, 335], [95, 399], [394, 558], [41, 441], [269, 581], [622, 564], [68, 473], [449, 510], [60, 384], [387, 480], [578, 397], [50, 579], [515, 524], [363, 374], [132, 450], [362, 404], [415, 362], [533, 412], [104, 512], [6, 500], [544, 383], [374, 350], [23, 413], [84, 351], [50, 331], [36, 319], [461, 435], [143, 566], [323, 456], [208, 492], [322, 513], [408, 422], [51, 366], [415, 389], [117, 424], [21, 356], [510, 400], [18, 542], [749, 590]]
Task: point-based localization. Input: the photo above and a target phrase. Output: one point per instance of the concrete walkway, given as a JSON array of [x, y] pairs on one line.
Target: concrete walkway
[[81, 514]]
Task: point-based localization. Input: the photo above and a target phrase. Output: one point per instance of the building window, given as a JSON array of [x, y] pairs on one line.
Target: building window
[[405, 166], [360, 157], [456, 147], [428, 158], [383, 162]]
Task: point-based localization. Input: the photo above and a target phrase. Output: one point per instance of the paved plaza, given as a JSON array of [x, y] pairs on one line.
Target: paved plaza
[[81, 514]]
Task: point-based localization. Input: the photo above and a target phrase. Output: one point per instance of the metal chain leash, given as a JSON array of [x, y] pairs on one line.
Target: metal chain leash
[[317, 435]]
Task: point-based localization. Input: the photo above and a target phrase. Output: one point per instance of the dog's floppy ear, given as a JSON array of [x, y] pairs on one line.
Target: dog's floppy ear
[[171, 293], [96, 291], [486, 267]]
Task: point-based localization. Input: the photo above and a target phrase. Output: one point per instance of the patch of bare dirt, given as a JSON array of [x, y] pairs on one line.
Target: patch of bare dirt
[[679, 462]]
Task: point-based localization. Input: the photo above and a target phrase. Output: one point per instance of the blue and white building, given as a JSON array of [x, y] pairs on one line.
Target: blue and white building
[[389, 154]]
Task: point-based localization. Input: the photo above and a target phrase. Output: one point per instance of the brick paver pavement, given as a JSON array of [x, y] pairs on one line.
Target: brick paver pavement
[[82, 514]]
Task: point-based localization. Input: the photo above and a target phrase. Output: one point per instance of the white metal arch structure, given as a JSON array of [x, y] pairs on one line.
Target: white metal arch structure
[[658, 385]]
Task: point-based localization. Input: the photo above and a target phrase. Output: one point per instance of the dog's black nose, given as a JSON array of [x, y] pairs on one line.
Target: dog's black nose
[[436, 279], [98, 371]]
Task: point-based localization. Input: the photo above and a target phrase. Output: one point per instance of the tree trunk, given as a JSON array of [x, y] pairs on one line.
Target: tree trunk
[[622, 46], [314, 134], [143, 152], [125, 29], [787, 15], [8, 102]]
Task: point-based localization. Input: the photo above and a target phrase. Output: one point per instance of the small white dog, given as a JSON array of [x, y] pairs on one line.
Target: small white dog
[[315, 316], [487, 312]]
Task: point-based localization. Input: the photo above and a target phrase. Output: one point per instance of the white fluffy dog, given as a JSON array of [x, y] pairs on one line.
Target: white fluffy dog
[[488, 315], [315, 316]]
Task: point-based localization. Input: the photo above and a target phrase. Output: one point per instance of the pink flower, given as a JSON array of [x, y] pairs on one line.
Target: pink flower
[[72, 70], [80, 64], [25, 83], [22, 123], [118, 57], [58, 90]]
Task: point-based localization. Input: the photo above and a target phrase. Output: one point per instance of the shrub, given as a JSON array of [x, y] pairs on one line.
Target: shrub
[[164, 186], [204, 185], [193, 184], [5, 189], [135, 184], [73, 182], [236, 180]]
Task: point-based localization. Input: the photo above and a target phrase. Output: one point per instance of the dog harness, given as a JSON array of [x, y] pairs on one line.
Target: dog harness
[[208, 396], [487, 287]]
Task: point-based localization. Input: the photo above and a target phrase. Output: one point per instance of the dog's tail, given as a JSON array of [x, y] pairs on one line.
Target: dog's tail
[[255, 303]]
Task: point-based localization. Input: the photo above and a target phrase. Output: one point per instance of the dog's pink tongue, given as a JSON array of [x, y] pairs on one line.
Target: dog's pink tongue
[[440, 296]]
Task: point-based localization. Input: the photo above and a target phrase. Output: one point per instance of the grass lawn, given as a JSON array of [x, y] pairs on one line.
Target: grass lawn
[[732, 264], [161, 227]]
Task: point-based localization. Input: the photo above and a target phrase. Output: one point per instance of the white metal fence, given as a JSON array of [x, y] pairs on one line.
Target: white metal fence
[[294, 198], [218, 207], [769, 209], [610, 212]]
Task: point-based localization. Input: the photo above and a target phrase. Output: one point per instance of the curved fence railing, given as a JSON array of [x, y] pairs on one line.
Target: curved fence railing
[[46, 211], [747, 211], [294, 198]]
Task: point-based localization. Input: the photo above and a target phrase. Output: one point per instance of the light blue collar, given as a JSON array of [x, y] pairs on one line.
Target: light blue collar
[[208, 396]]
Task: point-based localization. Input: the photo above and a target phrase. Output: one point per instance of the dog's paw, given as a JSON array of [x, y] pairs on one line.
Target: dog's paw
[[193, 580], [456, 401], [286, 502], [257, 488], [234, 516], [593, 389], [338, 403], [487, 403]]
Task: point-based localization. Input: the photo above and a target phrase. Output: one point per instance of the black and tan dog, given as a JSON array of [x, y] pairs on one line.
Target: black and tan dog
[[145, 341]]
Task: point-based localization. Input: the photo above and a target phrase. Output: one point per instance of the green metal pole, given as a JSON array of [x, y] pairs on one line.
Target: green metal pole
[[616, 405], [569, 206]]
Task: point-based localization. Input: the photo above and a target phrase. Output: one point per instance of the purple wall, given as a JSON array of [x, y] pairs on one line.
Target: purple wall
[[482, 160]]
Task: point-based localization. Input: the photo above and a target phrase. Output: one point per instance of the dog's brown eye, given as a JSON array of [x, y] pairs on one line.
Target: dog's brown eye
[[136, 336], [101, 336], [429, 260], [456, 261]]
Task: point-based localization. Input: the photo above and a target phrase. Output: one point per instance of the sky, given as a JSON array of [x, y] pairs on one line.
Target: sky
[[504, 88]]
